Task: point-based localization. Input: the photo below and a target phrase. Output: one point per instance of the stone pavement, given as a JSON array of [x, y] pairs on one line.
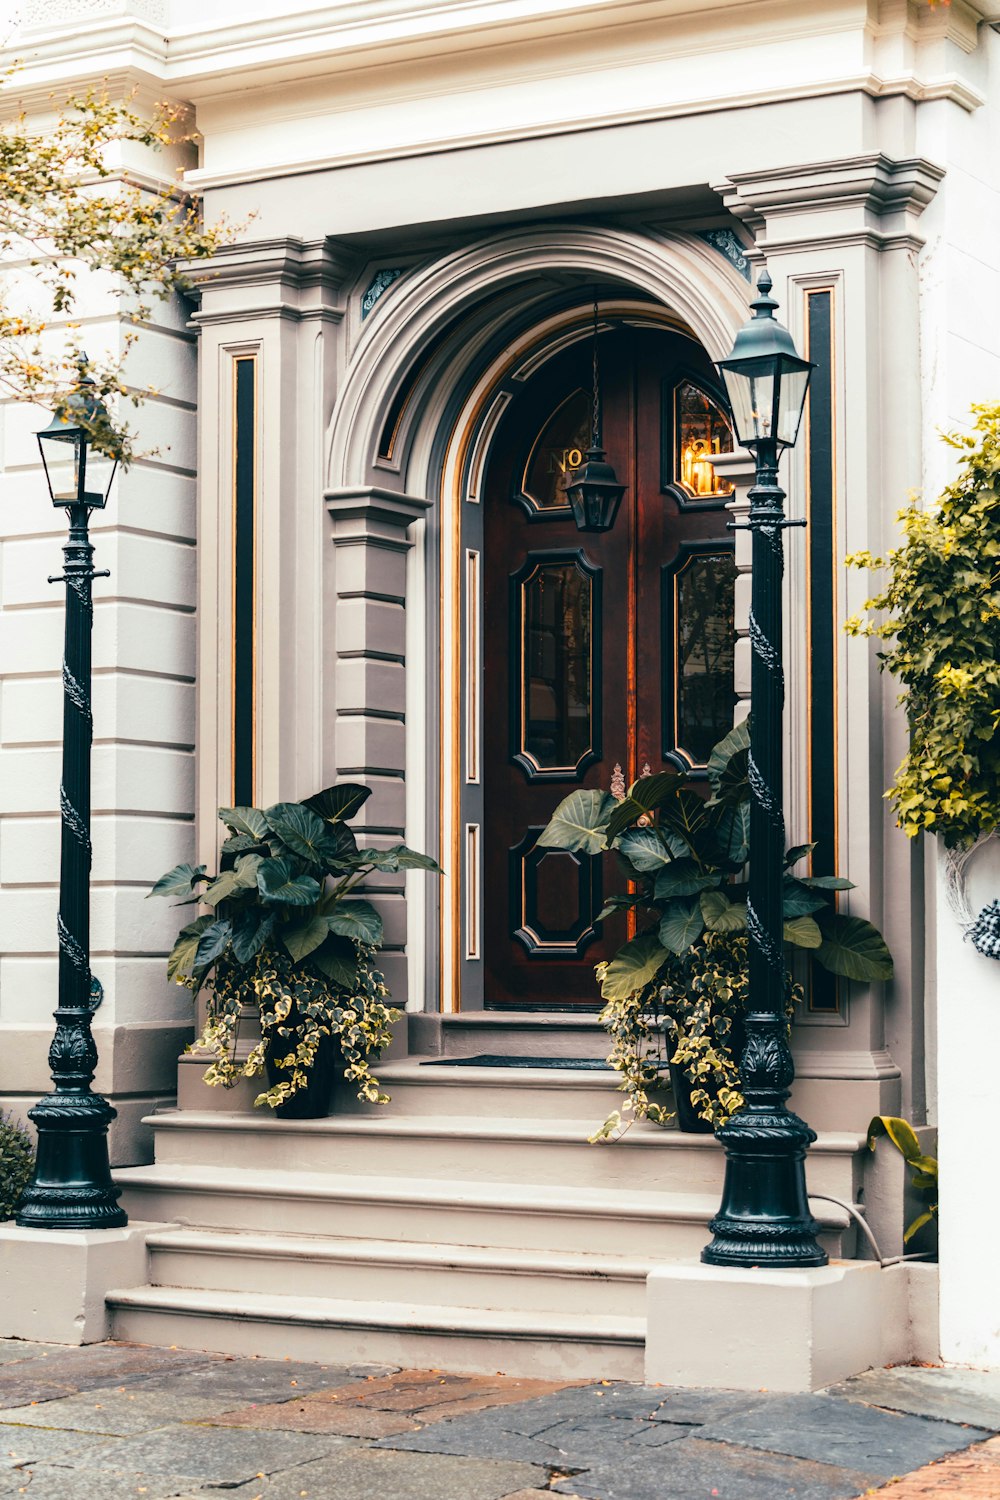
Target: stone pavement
[[117, 1421]]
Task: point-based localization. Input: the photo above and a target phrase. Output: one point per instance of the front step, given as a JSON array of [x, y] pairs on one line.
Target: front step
[[543, 1152], [369, 1270], [548, 1345], [653, 1226], [428, 1088]]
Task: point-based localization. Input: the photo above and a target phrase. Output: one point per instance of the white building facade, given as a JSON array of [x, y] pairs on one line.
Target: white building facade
[[335, 564]]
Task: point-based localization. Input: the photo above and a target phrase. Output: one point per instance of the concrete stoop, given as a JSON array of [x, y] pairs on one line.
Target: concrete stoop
[[470, 1226], [467, 1226]]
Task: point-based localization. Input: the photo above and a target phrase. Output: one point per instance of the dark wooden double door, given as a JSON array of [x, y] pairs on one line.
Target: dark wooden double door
[[600, 649]]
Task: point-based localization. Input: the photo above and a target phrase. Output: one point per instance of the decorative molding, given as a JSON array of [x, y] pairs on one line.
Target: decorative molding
[[377, 288], [725, 241], [839, 197]]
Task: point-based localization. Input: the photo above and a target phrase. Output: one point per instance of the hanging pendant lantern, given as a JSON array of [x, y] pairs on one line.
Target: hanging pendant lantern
[[593, 490]]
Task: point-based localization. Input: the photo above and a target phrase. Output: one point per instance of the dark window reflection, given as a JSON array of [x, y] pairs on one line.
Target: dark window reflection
[[556, 653], [558, 449], [705, 649]]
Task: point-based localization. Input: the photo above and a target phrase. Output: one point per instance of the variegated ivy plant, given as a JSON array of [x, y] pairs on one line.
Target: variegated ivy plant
[[288, 932], [673, 992]]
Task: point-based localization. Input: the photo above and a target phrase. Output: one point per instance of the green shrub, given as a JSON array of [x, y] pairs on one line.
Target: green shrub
[[17, 1162], [941, 604]]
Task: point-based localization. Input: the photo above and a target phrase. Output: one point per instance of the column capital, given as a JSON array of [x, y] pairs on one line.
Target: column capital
[[363, 513], [869, 199], [282, 277]]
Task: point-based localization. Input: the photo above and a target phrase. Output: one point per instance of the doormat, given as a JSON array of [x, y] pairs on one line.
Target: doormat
[[494, 1060]]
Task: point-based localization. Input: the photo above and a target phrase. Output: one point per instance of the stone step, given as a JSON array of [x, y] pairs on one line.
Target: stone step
[[368, 1270], [511, 1034], [427, 1087], [577, 1345], [479, 1149], [496, 1215]]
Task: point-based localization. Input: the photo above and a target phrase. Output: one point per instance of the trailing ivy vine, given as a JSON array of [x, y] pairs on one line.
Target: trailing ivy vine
[[942, 622]]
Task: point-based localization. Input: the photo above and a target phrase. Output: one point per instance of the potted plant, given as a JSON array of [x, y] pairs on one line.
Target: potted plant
[[288, 934], [676, 992]]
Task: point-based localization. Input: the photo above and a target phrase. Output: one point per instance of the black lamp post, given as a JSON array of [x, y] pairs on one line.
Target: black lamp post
[[72, 1186], [764, 1219]]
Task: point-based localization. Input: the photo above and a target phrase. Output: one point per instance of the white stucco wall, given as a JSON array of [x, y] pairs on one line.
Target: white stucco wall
[[144, 732]]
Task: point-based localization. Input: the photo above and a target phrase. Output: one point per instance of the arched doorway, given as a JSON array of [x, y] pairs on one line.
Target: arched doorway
[[598, 650]]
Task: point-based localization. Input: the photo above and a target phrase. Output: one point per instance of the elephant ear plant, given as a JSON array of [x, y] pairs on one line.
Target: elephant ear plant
[[288, 934], [676, 992]]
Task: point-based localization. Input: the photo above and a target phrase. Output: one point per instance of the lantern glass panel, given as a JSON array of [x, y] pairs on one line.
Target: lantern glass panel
[[794, 385], [61, 454], [750, 387], [100, 472]]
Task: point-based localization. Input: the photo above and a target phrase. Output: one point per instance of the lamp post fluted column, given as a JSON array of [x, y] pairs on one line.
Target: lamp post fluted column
[[72, 1186], [764, 1217]]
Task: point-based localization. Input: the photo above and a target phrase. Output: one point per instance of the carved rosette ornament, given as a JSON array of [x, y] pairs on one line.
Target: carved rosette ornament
[[72, 1186], [764, 1217]]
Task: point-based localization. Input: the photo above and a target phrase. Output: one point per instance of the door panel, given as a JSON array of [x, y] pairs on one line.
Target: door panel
[[600, 648]]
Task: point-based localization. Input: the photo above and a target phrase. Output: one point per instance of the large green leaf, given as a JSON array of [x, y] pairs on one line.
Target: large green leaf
[[803, 932], [644, 796], [235, 882], [248, 820], [827, 882], [853, 947], [181, 960], [303, 832], [727, 765], [633, 967], [302, 938], [579, 822], [645, 850], [338, 960], [798, 901], [721, 914], [684, 877], [180, 881], [213, 943], [797, 852], [399, 857], [250, 933], [334, 804], [357, 920], [681, 925], [278, 881], [727, 841]]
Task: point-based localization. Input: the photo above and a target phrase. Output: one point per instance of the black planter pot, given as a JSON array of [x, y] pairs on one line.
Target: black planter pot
[[688, 1118], [313, 1101]]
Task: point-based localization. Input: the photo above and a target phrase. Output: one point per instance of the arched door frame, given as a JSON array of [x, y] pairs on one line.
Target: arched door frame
[[443, 434]]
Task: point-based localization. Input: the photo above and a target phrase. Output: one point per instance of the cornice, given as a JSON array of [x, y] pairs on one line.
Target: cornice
[[202, 179], [874, 181], [307, 265]]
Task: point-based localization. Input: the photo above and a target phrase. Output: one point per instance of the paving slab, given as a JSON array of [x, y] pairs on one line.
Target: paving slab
[[210, 1454], [318, 1416], [698, 1407], [115, 1410], [12, 1350], [53, 1482], [28, 1390], [695, 1470], [247, 1379], [77, 1369], [831, 1430], [26, 1445], [370, 1474], [951, 1395]]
